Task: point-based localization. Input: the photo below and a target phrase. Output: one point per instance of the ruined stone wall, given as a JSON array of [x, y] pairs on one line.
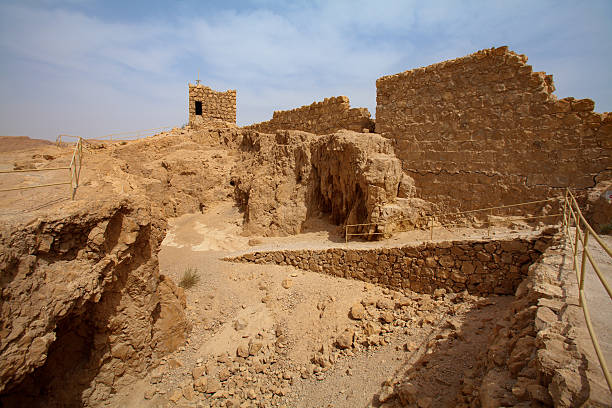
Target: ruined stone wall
[[481, 267], [319, 117], [541, 350], [485, 130], [215, 105]]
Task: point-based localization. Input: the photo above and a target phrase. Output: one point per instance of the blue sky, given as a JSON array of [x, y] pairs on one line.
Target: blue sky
[[94, 67]]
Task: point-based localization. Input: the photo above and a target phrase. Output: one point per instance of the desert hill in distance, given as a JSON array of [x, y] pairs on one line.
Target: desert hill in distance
[[16, 143]]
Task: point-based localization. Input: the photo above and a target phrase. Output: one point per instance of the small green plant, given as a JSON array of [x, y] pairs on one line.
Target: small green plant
[[607, 228], [190, 278]]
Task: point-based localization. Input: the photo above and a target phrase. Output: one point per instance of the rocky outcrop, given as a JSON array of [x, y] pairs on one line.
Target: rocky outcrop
[[292, 176], [83, 308], [358, 179], [599, 206]]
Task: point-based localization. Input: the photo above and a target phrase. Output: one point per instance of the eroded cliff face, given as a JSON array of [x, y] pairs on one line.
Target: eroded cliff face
[[292, 176], [359, 180], [83, 308]]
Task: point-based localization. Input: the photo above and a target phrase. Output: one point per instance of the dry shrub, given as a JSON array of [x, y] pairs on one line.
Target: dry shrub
[[190, 278]]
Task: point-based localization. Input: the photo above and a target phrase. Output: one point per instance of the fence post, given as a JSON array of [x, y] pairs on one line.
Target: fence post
[[583, 262], [431, 228], [565, 209], [577, 237]]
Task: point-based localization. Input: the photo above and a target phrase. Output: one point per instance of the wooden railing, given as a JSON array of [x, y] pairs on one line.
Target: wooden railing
[[573, 218], [75, 172]]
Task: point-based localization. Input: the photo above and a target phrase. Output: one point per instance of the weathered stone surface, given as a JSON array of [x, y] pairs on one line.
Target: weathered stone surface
[[287, 283], [345, 340], [538, 354], [242, 350], [321, 118], [461, 276], [201, 384], [94, 282], [486, 119], [357, 312], [352, 176], [213, 105]]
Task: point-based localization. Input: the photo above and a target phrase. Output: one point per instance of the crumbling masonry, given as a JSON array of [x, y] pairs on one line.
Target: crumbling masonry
[[478, 131], [206, 105]]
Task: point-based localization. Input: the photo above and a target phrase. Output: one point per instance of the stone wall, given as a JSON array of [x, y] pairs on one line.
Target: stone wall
[[541, 351], [481, 267], [216, 106], [486, 130], [320, 118]]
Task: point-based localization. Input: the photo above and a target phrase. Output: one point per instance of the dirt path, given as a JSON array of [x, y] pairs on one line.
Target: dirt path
[[298, 317], [600, 304]]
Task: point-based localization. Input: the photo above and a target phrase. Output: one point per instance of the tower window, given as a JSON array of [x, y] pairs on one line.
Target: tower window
[[198, 107]]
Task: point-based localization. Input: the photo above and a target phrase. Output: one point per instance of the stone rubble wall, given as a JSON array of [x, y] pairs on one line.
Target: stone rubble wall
[[321, 118], [216, 106], [541, 351], [481, 267], [464, 125]]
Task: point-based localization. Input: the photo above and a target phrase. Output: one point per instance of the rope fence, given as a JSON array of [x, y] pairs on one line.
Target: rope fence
[[113, 137], [431, 220]]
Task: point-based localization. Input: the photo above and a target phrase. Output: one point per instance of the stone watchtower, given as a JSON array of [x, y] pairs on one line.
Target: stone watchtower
[[206, 105]]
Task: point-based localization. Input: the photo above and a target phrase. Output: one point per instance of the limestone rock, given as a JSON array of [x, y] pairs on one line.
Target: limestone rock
[[201, 384], [88, 264], [408, 393], [279, 205], [386, 394], [357, 312], [240, 324], [345, 340], [176, 395], [254, 347], [213, 385], [242, 350], [385, 304], [198, 372], [387, 316]]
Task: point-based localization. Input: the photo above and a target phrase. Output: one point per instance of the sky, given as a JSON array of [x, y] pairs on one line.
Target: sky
[[90, 68]]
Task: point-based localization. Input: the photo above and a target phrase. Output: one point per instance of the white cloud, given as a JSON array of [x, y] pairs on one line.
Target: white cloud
[[103, 75]]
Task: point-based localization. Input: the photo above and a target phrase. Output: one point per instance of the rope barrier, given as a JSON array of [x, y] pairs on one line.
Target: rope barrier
[[110, 137], [431, 217], [29, 170], [36, 186]]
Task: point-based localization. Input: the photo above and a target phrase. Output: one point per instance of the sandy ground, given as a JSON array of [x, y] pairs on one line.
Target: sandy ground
[[295, 320], [312, 312], [598, 300]]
